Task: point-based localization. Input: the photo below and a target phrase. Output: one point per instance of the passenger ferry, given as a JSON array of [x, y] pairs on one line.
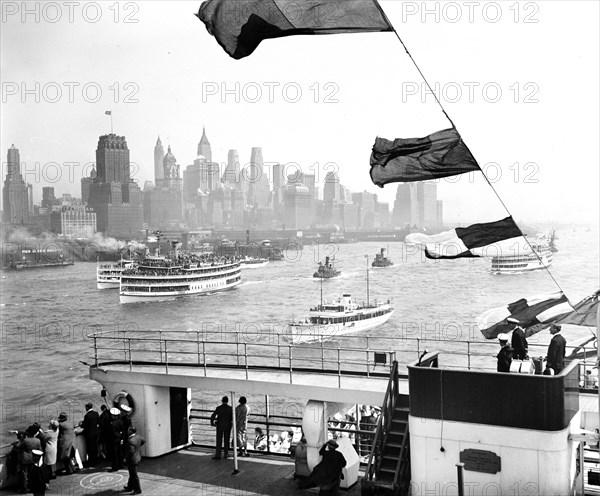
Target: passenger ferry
[[538, 256], [108, 275], [342, 316], [158, 278]]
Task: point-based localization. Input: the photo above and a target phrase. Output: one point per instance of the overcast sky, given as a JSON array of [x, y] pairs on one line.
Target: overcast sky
[[519, 80]]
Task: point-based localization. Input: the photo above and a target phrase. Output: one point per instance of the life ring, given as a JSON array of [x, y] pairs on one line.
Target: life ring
[[124, 399]]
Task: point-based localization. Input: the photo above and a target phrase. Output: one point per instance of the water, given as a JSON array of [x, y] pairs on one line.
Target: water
[[48, 313]]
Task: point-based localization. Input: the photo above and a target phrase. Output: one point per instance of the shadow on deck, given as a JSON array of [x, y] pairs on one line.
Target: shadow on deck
[[190, 472]]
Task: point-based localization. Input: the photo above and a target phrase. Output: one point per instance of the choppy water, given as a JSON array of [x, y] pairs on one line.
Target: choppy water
[[47, 313]]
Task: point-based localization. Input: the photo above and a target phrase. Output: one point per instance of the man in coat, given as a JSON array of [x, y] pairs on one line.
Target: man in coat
[[328, 472], [25, 448], [505, 355], [133, 456], [556, 350], [518, 341], [90, 423], [222, 419], [241, 426], [115, 439], [66, 438]]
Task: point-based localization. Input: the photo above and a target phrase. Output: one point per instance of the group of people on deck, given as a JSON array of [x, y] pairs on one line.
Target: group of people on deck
[[107, 435], [518, 349], [326, 475]]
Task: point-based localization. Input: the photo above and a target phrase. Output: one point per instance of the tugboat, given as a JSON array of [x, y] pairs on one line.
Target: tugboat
[[326, 270], [381, 260]]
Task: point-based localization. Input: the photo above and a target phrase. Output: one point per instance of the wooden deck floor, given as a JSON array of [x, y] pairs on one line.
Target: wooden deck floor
[[190, 472]]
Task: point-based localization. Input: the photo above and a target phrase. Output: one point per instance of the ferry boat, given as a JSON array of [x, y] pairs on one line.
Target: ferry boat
[[381, 260], [158, 278], [108, 275], [538, 256], [251, 262], [326, 270], [342, 316]]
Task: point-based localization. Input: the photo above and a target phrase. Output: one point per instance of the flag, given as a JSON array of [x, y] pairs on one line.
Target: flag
[[440, 154], [240, 25], [530, 312], [472, 241], [584, 313], [108, 112]]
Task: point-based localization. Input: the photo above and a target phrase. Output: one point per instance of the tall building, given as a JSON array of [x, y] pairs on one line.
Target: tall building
[[76, 221], [331, 188], [204, 147], [366, 203], [48, 198], [159, 155], [115, 198], [163, 204], [309, 181], [86, 183], [297, 206], [258, 183], [231, 175], [200, 176], [405, 207], [15, 199], [427, 204], [30, 197]]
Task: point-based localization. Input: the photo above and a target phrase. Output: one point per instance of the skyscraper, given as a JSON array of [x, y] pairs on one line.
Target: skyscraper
[[163, 205], [331, 188], [204, 147], [159, 155], [258, 183], [406, 206], [14, 193], [115, 198], [231, 176], [427, 201]]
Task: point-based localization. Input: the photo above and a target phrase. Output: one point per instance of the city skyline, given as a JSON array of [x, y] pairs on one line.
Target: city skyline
[[523, 139]]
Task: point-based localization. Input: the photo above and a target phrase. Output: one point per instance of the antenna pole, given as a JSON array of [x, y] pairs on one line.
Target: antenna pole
[[367, 257], [321, 291]]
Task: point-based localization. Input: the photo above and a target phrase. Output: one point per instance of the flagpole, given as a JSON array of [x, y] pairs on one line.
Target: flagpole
[[111, 123], [598, 351]]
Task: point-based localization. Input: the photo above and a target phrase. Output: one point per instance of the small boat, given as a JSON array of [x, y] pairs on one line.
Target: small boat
[[251, 262], [342, 316], [381, 260], [108, 275], [326, 270]]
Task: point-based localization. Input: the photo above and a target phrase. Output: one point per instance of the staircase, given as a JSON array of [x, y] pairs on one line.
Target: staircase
[[388, 470]]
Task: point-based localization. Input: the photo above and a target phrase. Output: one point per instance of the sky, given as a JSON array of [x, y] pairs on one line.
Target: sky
[[520, 81]]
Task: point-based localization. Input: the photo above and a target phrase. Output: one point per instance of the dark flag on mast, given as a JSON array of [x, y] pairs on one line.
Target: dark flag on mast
[[440, 154], [240, 25]]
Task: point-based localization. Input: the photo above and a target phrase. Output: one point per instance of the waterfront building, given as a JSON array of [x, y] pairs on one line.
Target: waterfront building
[[159, 155], [15, 200], [74, 221], [113, 195]]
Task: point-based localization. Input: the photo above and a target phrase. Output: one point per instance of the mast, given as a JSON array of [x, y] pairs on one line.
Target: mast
[[367, 257], [321, 292]]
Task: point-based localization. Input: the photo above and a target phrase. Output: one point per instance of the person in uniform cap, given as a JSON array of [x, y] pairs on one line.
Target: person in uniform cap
[[126, 421], [505, 355], [556, 350], [518, 341], [38, 474], [116, 440]]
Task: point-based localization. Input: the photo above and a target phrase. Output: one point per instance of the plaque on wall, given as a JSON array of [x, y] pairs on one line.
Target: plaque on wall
[[476, 460]]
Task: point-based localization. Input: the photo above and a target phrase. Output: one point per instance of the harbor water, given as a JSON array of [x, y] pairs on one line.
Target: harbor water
[[47, 314]]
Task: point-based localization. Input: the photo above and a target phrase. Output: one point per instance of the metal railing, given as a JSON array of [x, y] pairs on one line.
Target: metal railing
[[250, 351]]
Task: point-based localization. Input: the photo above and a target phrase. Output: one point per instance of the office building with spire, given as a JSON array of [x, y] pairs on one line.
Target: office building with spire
[[15, 199], [113, 195], [204, 148], [163, 205], [159, 155]]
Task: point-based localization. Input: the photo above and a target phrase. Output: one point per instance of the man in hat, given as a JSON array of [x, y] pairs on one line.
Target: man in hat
[[328, 472], [38, 475], [90, 432], [66, 438], [25, 457], [518, 341], [115, 438], [126, 421], [133, 456], [222, 419], [556, 350], [505, 355]]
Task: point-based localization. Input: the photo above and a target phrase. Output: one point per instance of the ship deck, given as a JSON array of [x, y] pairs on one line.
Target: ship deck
[[191, 471]]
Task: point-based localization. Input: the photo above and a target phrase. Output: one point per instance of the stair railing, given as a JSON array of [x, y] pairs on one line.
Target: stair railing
[[383, 424]]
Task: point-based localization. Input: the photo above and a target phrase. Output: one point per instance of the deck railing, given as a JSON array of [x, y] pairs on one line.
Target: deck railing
[[259, 348]]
